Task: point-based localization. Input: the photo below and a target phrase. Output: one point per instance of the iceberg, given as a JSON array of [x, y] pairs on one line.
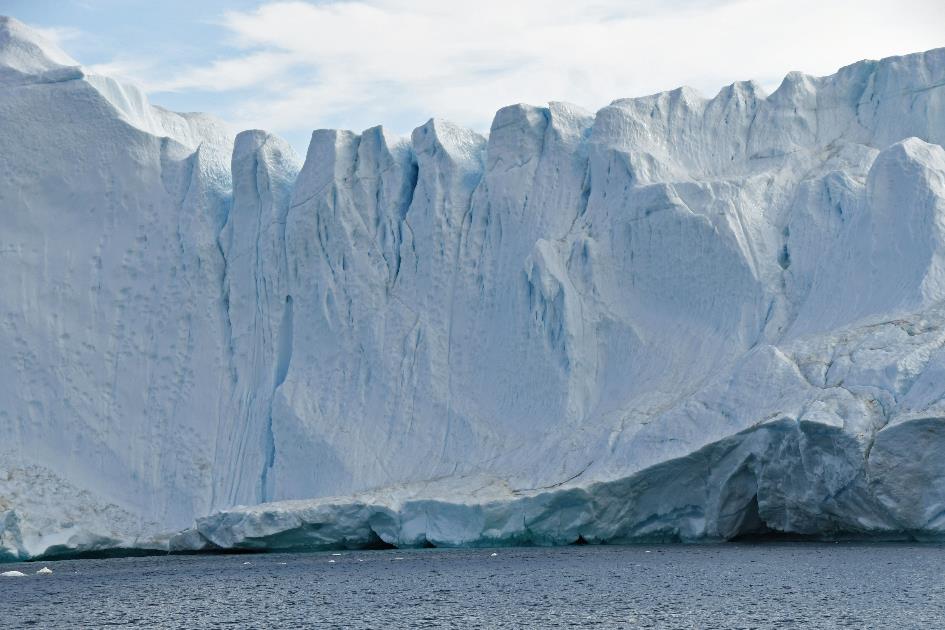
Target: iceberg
[[676, 318]]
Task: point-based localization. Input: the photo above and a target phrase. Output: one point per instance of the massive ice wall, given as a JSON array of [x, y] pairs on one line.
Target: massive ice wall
[[679, 317]]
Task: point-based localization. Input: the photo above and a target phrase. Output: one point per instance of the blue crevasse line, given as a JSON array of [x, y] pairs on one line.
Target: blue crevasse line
[[283, 358], [284, 352]]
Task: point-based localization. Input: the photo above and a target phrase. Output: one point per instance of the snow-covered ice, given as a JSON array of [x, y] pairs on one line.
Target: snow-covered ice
[[677, 318]]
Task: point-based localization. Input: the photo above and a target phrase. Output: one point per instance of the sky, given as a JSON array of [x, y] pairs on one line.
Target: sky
[[294, 66]]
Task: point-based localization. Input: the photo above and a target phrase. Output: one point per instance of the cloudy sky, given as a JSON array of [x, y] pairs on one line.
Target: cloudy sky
[[295, 66]]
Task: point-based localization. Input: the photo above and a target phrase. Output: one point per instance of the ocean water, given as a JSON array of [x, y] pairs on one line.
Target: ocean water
[[767, 585]]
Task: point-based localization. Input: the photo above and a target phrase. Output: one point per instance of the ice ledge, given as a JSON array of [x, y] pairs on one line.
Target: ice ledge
[[782, 477], [831, 486]]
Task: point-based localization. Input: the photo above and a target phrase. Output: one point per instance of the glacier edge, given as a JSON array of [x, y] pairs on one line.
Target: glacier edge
[[677, 318]]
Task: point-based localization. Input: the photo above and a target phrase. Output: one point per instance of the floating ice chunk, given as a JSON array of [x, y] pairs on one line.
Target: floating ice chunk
[[44, 571], [13, 574]]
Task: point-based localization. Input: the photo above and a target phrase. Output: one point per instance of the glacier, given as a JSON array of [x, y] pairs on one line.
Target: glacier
[[676, 318]]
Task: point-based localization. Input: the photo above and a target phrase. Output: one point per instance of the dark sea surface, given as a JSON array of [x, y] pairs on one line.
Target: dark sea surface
[[766, 585]]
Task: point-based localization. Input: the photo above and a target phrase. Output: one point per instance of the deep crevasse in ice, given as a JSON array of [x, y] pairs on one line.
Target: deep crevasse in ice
[[677, 318]]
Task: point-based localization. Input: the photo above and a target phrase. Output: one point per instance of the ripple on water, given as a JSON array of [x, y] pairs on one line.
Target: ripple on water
[[767, 585]]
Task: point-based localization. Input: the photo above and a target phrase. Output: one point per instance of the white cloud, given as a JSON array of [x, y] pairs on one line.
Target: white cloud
[[362, 62], [58, 35], [129, 70], [222, 75]]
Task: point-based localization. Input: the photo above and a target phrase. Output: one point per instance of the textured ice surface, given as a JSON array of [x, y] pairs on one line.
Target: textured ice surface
[[679, 318]]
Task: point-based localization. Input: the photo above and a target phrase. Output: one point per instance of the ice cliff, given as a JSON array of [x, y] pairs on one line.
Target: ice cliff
[[677, 318]]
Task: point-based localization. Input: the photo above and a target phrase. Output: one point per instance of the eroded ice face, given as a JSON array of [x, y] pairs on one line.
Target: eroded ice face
[[677, 318]]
